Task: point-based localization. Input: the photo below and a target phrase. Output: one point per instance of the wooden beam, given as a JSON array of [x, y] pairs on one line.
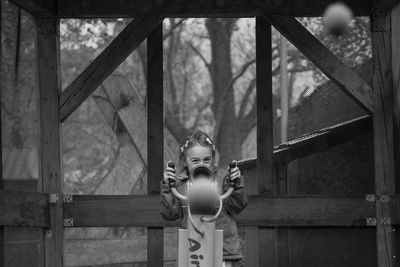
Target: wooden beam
[[317, 141], [49, 84], [263, 238], [384, 5], [383, 134], [104, 64], [396, 90], [37, 6], [342, 75], [266, 211], [24, 209], [321, 140], [204, 8], [2, 228], [155, 138]]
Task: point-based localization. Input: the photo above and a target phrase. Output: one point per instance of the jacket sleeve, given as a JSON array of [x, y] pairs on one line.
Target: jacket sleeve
[[170, 207], [237, 201]]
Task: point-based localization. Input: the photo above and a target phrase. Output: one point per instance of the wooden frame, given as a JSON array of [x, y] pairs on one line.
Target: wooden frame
[[282, 210], [338, 72], [183, 8], [382, 32], [113, 55], [51, 176], [155, 137]]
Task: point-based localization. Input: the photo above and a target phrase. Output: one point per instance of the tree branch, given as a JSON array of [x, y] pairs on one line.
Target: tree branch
[[173, 27], [200, 55], [200, 112], [221, 103], [246, 97], [248, 122]]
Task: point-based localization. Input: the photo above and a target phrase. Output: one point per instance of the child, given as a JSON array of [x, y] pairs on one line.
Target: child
[[199, 150]]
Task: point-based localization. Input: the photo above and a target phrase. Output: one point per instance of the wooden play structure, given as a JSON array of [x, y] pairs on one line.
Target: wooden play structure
[[270, 203]]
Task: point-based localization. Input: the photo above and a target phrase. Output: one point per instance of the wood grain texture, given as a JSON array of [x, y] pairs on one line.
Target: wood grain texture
[[37, 6], [23, 209], [384, 5], [50, 152], [104, 64], [269, 211], [395, 21], [155, 138], [342, 75], [204, 8], [265, 181], [383, 136], [259, 239]]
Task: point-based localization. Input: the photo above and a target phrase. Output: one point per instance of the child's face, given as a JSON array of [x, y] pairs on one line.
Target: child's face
[[199, 155]]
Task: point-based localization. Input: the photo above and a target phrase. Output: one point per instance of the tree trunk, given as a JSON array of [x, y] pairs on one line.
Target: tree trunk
[[228, 137]]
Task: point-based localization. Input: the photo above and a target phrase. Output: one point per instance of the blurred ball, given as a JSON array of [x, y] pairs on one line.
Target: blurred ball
[[336, 18], [203, 197]]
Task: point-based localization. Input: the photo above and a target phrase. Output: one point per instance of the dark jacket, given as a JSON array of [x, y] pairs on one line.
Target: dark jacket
[[172, 209]]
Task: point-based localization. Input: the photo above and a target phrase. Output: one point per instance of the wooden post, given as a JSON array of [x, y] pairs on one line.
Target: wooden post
[[260, 250], [395, 16], [2, 238], [49, 157], [155, 138], [383, 52]]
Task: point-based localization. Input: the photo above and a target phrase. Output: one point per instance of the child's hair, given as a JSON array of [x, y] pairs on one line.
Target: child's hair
[[197, 138]]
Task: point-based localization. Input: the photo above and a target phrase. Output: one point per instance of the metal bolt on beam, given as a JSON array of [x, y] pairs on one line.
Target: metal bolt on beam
[[69, 222]]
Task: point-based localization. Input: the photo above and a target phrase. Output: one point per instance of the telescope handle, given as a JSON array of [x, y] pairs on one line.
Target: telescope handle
[[233, 183]]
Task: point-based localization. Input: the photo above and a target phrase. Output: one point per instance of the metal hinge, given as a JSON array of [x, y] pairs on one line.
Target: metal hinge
[[68, 222], [384, 198], [385, 221], [49, 233], [370, 198], [54, 198], [371, 221], [68, 198]]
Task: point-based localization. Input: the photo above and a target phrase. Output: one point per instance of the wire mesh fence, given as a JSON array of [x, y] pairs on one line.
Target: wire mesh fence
[[104, 142]]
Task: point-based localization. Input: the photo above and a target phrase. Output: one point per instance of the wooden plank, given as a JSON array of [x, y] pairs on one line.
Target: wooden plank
[[264, 238], [384, 5], [23, 209], [383, 134], [204, 8], [113, 55], [310, 143], [37, 6], [115, 252], [342, 75], [2, 228], [396, 89], [265, 179], [49, 85], [155, 138], [268, 211]]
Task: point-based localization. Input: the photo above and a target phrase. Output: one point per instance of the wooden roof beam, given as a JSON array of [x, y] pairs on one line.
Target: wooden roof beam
[[202, 8], [104, 64], [384, 5], [37, 6], [342, 75], [317, 141]]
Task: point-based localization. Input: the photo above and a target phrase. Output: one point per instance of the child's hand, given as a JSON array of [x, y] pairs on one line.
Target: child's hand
[[235, 173], [169, 173]]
